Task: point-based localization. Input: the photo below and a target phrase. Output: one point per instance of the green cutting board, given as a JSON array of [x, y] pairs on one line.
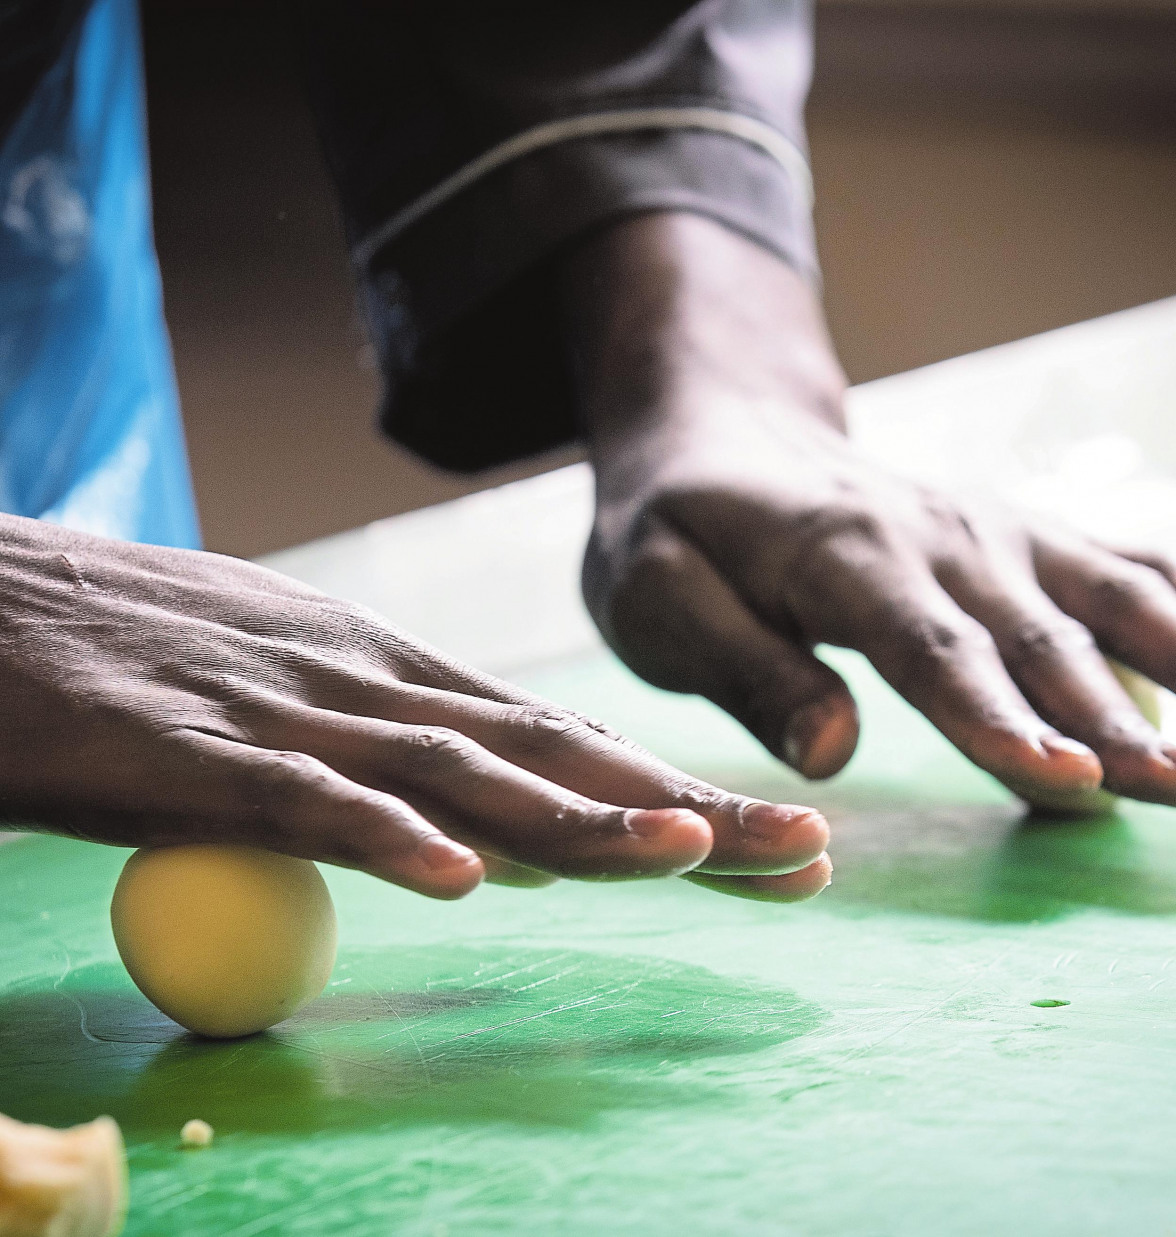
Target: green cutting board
[[657, 1059]]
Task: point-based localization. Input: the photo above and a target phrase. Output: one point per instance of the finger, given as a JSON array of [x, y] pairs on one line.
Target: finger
[[588, 758], [792, 887], [1129, 606], [1054, 660], [585, 757], [947, 665], [497, 806], [680, 625], [1158, 562], [290, 802]]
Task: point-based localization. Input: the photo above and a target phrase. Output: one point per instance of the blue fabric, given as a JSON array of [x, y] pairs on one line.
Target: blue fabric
[[90, 430]]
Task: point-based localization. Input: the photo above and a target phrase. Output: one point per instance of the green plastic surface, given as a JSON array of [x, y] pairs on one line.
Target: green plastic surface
[[970, 1032]]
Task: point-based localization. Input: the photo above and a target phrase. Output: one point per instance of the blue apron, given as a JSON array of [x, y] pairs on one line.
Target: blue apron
[[90, 430]]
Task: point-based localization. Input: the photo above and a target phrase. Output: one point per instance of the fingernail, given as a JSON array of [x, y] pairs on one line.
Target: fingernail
[[800, 732], [1060, 745], [437, 852], [767, 820], [820, 738], [1064, 746], [762, 820], [651, 823]]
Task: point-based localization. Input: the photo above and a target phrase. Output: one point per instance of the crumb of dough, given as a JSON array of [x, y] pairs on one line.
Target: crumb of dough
[[62, 1183], [196, 1133]]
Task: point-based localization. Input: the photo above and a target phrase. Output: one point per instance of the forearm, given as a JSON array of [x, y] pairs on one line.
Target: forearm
[[682, 332]]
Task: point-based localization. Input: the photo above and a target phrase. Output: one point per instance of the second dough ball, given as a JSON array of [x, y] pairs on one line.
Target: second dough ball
[[227, 940]]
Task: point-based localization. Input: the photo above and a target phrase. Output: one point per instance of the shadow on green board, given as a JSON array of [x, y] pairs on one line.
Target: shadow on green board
[[993, 864], [467, 1036]]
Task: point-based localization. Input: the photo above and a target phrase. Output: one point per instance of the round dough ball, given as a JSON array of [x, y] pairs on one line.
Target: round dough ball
[[227, 940]]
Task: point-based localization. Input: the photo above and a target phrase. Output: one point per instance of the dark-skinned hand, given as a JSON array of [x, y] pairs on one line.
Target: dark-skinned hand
[[155, 696], [737, 527]]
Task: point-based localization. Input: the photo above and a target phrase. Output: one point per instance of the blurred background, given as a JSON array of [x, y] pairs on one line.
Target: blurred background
[[985, 169]]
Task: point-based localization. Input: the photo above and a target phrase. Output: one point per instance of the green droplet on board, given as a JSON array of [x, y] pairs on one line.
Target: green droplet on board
[[1048, 1002]]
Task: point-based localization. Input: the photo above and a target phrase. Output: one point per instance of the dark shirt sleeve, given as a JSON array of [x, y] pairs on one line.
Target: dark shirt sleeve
[[473, 141]]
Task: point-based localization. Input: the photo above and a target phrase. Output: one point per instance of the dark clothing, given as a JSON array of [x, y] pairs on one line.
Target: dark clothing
[[475, 141], [460, 293]]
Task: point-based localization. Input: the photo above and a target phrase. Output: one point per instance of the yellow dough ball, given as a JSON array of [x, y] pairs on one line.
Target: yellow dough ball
[[62, 1183], [227, 940], [1141, 689]]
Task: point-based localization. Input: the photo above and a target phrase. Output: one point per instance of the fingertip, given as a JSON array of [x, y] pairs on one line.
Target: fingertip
[[798, 886], [440, 868], [805, 884], [1069, 765], [1055, 774], [822, 736], [1147, 773], [809, 835], [775, 838]]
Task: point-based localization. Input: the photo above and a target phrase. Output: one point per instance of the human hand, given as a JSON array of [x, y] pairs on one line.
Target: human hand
[[156, 696], [737, 527]]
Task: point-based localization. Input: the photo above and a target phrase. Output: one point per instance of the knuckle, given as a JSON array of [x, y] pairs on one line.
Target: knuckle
[[707, 800], [942, 639], [842, 528], [925, 644], [542, 730], [836, 547], [947, 517], [291, 769], [1122, 595], [1036, 639], [440, 747], [603, 729], [859, 523], [240, 695]]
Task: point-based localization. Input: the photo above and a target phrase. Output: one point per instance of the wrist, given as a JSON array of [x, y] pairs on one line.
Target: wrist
[[678, 327]]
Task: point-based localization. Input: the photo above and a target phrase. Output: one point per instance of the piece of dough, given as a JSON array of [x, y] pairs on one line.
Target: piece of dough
[[227, 940], [62, 1183], [196, 1135]]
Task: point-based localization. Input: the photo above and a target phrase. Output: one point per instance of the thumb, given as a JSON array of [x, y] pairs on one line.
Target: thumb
[[676, 622]]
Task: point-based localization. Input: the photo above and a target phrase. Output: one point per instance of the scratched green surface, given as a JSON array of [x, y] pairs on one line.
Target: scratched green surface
[[657, 1059]]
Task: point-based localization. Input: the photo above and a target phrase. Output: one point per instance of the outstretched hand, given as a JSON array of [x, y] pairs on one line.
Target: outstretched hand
[[155, 696], [737, 527]]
